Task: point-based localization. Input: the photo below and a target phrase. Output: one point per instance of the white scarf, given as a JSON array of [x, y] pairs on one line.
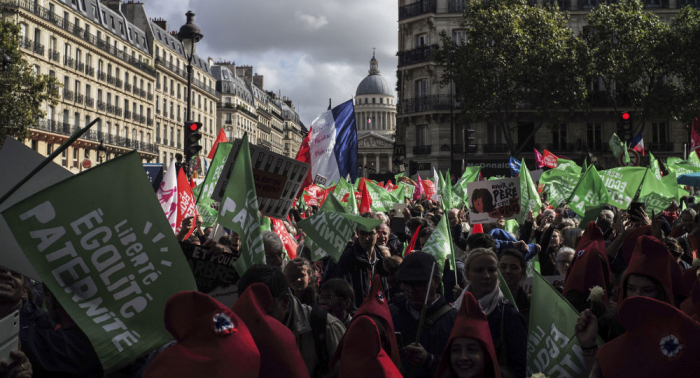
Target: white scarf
[[488, 302]]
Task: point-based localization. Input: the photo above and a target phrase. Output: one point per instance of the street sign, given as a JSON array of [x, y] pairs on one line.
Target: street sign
[[635, 159], [87, 163]]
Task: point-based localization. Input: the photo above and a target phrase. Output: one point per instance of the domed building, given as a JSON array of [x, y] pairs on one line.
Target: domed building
[[375, 116]]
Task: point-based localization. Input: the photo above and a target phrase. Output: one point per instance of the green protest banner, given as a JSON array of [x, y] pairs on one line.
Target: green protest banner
[[344, 190], [590, 191], [239, 210], [552, 348], [529, 198], [381, 199], [560, 184], [439, 244], [459, 189], [622, 184], [616, 146], [505, 289], [657, 194], [332, 204], [327, 233], [101, 244], [204, 191], [446, 193]]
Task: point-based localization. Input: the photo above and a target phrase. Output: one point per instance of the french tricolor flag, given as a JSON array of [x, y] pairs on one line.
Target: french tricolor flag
[[638, 142], [331, 145]]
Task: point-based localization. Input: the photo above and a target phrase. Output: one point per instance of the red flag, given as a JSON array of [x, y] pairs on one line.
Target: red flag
[[185, 202], [310, 200], [192, 183], [429, 188], [390, 187], [290, 245], [323, 194], [366, 204], [304, 155], [219, 139], [412, 243], [549, 159]]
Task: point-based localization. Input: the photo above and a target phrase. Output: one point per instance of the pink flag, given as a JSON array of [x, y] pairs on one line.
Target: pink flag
[[167, 194], [549, 159], [694, 136], [419, 189], [538, 159], [185, 203]]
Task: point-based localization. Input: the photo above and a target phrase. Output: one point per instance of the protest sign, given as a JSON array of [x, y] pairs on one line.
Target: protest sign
[[110, 258], [552, 348], [154, 172], [491, 200], [210, 270], [16, 161], [277, 179]]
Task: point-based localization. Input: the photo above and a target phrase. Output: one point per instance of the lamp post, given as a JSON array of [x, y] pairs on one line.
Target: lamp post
[[189, 35], [101, 150]]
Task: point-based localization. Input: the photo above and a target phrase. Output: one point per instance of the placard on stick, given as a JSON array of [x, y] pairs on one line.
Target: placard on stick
[[494, 199], [277, 179]]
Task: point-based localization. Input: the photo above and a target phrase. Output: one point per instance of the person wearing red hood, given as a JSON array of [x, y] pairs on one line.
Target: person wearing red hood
[[470, 352], [661, 341], [212, 341], [370, 348]]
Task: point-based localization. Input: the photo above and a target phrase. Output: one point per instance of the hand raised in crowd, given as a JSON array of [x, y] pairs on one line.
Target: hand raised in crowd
[[529, 218], [417, 355], [656, 225], [520, 245], [18, 368], [640, 217], [587, 329]]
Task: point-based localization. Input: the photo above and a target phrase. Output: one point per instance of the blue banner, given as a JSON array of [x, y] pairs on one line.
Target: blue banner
[[514, 167], [154, 173]]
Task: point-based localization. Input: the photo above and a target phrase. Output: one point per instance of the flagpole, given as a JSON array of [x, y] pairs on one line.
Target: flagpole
[[423, 313], [49, 159]]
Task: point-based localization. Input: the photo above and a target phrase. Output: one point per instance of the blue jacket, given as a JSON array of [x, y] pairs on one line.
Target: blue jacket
[[504, 239]]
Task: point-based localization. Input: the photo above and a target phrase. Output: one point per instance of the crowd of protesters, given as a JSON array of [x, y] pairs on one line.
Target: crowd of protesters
[[364, 314]]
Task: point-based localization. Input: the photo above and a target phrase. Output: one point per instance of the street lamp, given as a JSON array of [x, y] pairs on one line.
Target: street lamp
[[101, 150], [189, 35]]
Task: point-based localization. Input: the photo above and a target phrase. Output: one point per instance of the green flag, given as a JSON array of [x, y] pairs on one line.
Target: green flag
[[204, 191], [345, 190], [328, 232], [616, 146], [590, 191], [657, 194], [622, 184], [398, 175], [627, 154], [529, 197], [239, 210], [560, 183], [439, 244], [505, 289], [100, 243], [446, 193], [459, 189], [382, 200], [654, 165], [332, 204], [552, 345]]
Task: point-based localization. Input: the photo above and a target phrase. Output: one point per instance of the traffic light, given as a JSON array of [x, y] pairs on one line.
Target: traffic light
[[412, 168], [193, 134], [625, 129]]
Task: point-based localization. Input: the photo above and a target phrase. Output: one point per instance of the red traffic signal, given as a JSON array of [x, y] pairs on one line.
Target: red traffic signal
[[626, 116], [194, 126], [192, 136]]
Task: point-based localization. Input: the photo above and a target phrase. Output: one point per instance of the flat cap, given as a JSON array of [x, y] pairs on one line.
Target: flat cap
[[416, 268]]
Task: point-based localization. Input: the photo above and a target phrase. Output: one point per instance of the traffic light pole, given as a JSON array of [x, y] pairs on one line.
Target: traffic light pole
[[189, 113]]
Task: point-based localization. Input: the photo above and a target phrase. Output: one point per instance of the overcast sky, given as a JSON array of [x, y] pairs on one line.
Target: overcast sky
[[310, 50]]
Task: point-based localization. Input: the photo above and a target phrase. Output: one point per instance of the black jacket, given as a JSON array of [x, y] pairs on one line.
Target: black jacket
[[356, 269], [509, 334], [434, 337]]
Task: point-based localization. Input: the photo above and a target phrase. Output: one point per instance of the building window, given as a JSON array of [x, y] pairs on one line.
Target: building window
[[495, 135], [49, 149], [659, 132], [76, 157], [594, 138], [421, 87], [421, 40], [559, 137], [459, 36], [64, 158], [422, 135], [35, 145]]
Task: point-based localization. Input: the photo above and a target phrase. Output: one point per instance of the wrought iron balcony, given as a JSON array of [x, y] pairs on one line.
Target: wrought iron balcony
[[79, 98], [110, 109], [692, 3], [118, 112], [68, 62], [54, 55], [89, 101], [119, 83], [149, 96], [158, 85], [135, 90], [127, 114], [426, 103], [142, 93], [496, 148], [149, 122], [264, 128], [422, 150], [459, 149], [111, 79], [67, 95], [415, 56], [101, 75], [417, 8], [80, 66], [90, 71], [101, 105], [158, 139], [157, 111], [38, 48], [127, 87], [25, 43], [142, 119]]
